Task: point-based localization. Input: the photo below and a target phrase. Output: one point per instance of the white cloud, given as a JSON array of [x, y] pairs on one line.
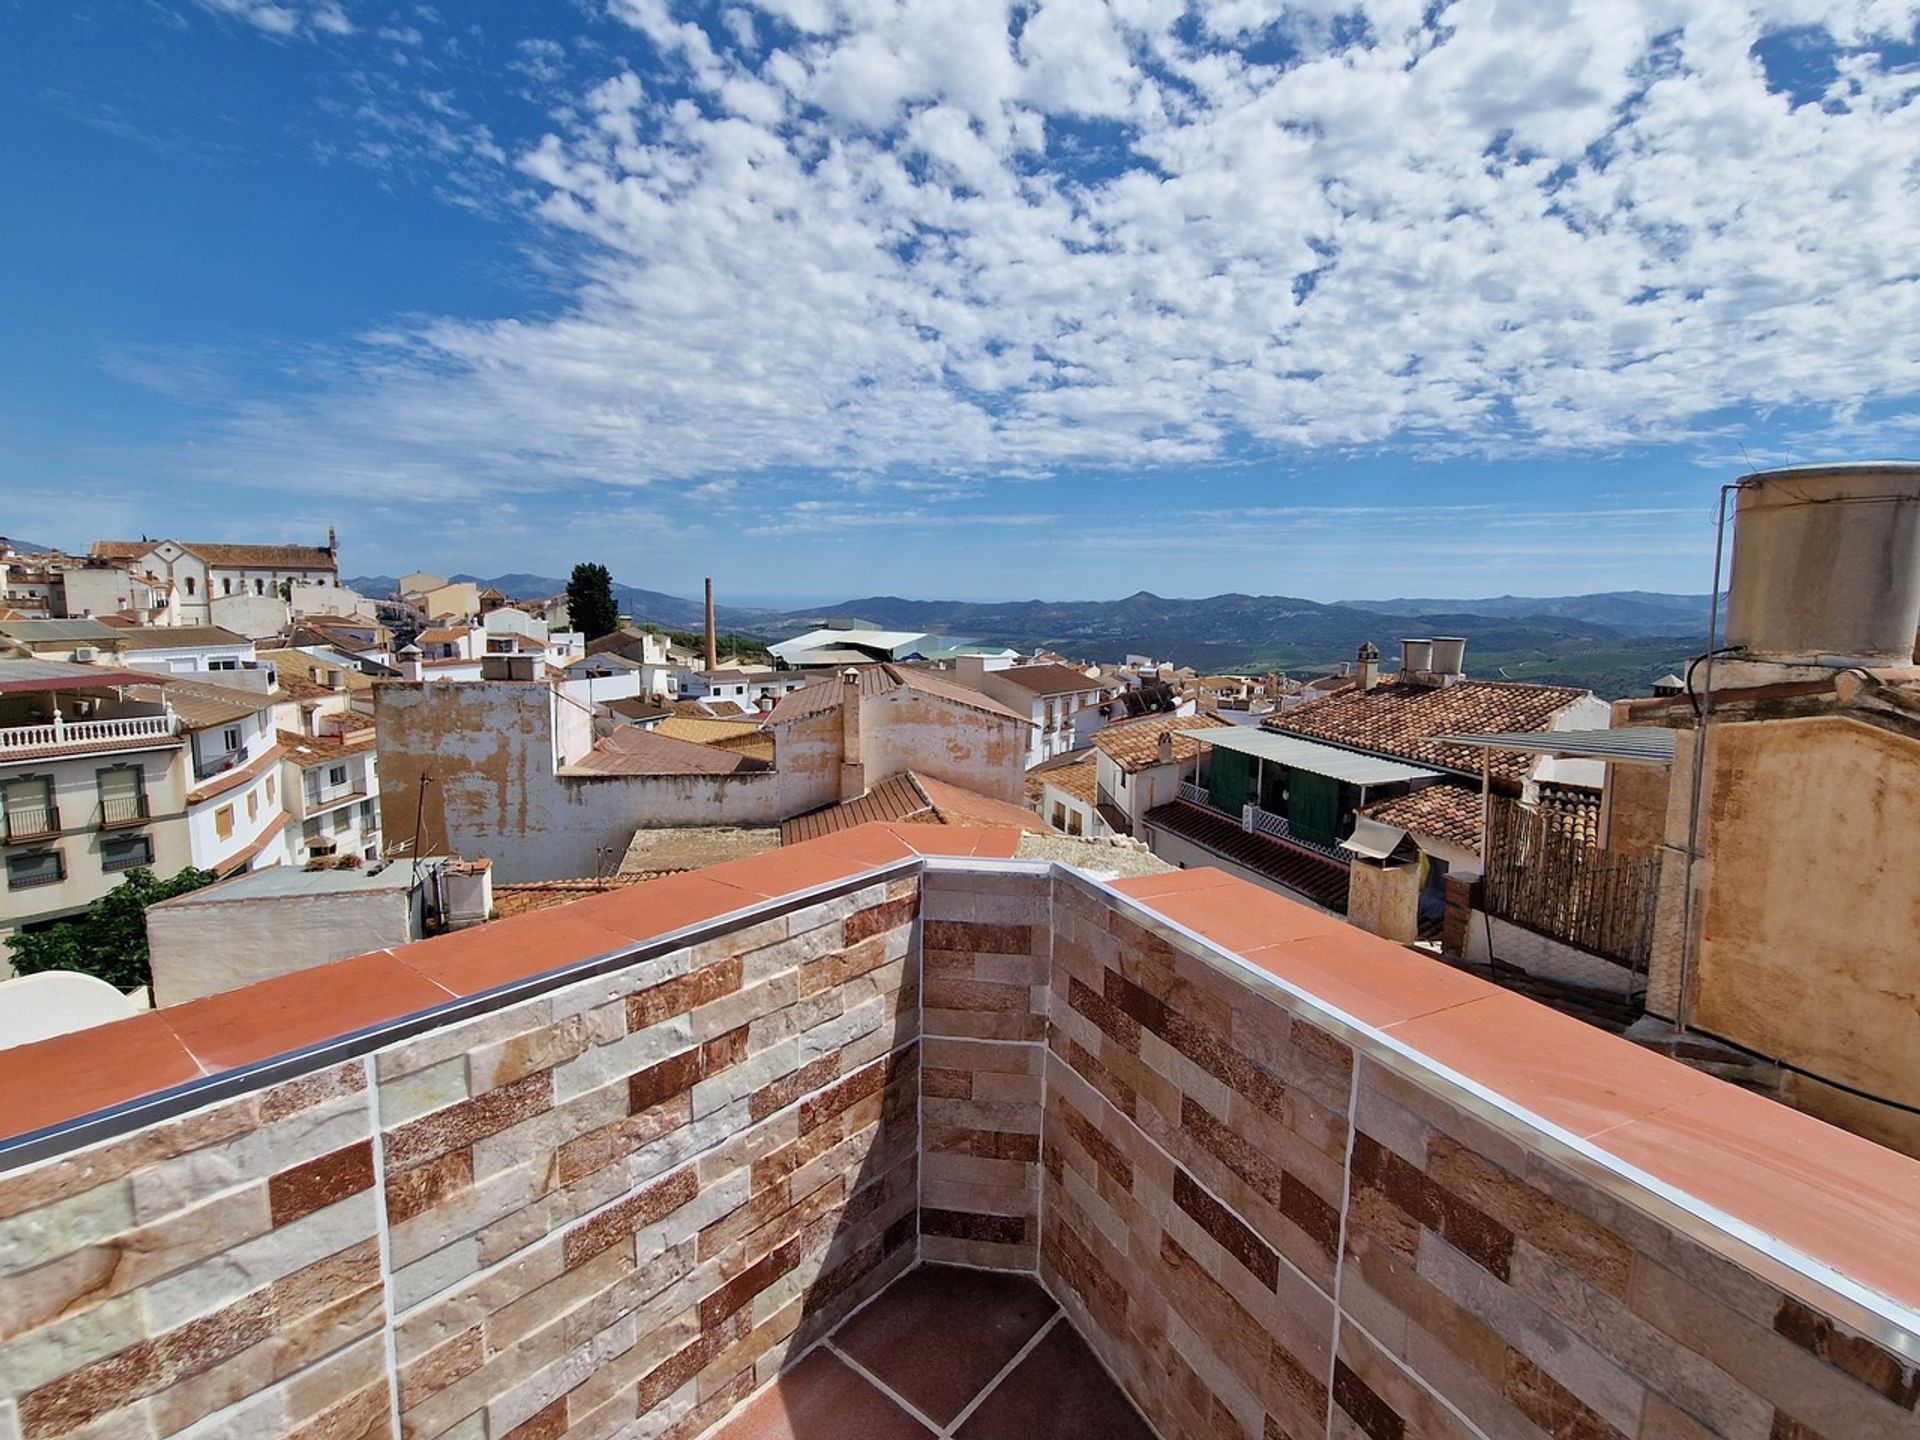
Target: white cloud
[[286, 17], [870, 238]]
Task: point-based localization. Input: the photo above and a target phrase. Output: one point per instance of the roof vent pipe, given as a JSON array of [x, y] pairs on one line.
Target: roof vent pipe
[[1416, 656], [1826, 564], [1449, 655]]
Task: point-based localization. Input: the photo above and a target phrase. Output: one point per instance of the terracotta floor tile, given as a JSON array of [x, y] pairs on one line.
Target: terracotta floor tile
[[939, 1334], [468, 961], [821, 1398], [1242, 917], [67, 1076], [1827, 1193], [1562, 1070], [1371, 979], [1059, 1392], [276, 1016], [1174, 882]]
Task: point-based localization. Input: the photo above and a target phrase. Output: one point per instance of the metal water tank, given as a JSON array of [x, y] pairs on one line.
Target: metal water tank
[[1449, 655], [1826, 563], [1416, 656]]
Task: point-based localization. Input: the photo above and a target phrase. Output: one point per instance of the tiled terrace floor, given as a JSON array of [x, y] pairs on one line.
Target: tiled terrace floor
[[949, 1352]]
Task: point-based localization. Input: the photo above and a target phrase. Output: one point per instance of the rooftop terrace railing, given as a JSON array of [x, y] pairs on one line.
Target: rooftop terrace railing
[[131, 728], [611, 1168]]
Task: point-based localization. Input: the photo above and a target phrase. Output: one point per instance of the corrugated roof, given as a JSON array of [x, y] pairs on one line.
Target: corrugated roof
[[1347, 766], [20, 675], [202, 703], [175, 637], [1321, 880], [55, 632], [1632, 746]]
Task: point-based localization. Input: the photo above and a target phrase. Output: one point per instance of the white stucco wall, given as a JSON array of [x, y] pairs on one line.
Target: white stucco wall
[[204, 948]]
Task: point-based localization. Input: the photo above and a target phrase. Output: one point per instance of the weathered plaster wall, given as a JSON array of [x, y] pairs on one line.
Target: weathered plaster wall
[[489, 748], [1636, 807], [1807, 951], [906, 730]]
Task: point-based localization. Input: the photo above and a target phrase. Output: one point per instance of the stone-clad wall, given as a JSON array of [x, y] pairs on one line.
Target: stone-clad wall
[[1264, 1235], [986, 945], [630, 1197]]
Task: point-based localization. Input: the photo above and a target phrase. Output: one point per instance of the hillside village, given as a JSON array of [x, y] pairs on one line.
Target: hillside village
[[346, 770]]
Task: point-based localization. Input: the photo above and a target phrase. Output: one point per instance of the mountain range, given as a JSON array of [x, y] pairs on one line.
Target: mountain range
[[1615, 642]]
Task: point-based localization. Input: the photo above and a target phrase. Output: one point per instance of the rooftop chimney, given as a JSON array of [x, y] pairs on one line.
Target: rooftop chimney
[[713, 648], [1449, 656], [1367, 665], [1826, 564], [1416, 658], [853, 767], [1166, 747]]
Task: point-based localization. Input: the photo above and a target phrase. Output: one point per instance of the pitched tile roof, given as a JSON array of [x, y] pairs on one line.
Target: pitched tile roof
[[202, 703], [1133, 745], [1047, 679], [1081, 779], [174, 637], [1449, 813], [1321, 880], [630, 750], [306, 750], [743, 737], [910, 796], [254, 557], [1401, 718], [884, 679]]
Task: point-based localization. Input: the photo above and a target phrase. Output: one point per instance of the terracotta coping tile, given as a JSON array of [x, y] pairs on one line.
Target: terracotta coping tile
[[56, 1079], [1373, 980], [874, 843], [655, 907], [784, 871], [272, 1017], [1242, 917], [1000, 842], [469, 961], [1562, 1070], [1829, 1194], [1174, 882]]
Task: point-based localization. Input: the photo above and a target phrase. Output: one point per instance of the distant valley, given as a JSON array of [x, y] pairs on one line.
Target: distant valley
[[1617, 643]]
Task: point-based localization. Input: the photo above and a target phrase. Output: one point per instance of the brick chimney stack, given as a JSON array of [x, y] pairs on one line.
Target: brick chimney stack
[[853, 762], [713, 644], [1367, 665]]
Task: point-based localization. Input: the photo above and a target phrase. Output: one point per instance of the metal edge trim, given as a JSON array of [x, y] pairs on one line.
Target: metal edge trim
[[51, 1141]]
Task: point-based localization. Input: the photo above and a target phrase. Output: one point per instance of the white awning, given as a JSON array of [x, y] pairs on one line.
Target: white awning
[[1329, 760], [1638, 745], [1374, 839]]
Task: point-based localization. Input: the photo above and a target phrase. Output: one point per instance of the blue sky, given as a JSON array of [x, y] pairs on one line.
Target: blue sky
[[1067, 299]]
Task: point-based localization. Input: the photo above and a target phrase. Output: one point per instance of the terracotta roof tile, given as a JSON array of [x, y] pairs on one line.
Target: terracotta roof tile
[[884, 679], [955, 805], [256, 557], [1135, 744], [1401, 718], [1081, 780], [894, 798], [1047, 679], [1450, 813], [631, 750]]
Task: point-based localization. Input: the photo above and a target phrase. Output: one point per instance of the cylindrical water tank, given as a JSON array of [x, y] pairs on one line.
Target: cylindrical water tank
[[1416, 656], [1449, 655], [1826, 563]]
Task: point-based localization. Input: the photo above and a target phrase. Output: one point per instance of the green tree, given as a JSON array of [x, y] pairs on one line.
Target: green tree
[[590, 607], [110, 940]]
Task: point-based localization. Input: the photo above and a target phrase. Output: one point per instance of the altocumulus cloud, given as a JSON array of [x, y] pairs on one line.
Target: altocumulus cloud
[[890, 237]]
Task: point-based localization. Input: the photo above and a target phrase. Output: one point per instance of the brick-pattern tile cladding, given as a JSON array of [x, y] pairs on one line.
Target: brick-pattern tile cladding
[[220, 1267], [631, 1197], [617, 1209], [1210, 1157], [986, 942]]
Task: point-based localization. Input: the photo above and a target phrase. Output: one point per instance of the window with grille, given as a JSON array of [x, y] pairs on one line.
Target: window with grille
[[123, 795], [37, 867], [29, 807], [124, 852]]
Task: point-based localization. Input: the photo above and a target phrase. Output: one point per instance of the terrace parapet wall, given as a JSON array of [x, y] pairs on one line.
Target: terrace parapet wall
[[607, 1170]]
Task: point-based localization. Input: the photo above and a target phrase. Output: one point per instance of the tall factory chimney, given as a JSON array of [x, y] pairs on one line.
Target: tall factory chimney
[[713, 648]]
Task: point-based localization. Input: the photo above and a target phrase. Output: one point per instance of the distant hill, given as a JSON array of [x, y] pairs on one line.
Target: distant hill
[[1642, 612], [1615, 643], [25, 547]]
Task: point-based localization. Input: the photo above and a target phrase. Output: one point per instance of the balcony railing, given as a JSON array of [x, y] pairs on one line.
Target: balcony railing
[[1256, 821], [32, 822], [87, 732], [122, 810], [1194, 794]]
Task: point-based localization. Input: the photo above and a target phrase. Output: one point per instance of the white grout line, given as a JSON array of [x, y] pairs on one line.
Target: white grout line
[[385, 1238], [881, 1385], [1005, 1370], [1346, 1210]]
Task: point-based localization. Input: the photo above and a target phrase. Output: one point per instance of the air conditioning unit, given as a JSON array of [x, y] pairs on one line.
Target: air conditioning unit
[[85, 654]]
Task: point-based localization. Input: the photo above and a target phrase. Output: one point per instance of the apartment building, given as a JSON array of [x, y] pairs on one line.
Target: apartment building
[[213, 582], [1063, 703]]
